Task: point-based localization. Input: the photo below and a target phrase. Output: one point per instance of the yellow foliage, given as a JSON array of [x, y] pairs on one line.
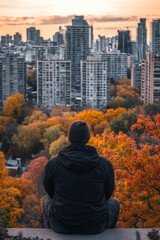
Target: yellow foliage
[[13, 105]]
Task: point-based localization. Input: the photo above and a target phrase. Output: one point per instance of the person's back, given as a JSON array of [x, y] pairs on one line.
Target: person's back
[[79, 183]]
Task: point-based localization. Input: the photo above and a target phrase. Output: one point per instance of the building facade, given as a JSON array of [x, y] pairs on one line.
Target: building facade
[[77, 41], [17, 38], [117, 65], [141, 40], [95, 88], [33, 35], [150, 79], [124, 41], [12, 75], [156, 36], [136, 76], [53, 83]]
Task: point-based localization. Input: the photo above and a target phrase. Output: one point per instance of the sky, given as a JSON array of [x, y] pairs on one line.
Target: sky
[[106, 16]]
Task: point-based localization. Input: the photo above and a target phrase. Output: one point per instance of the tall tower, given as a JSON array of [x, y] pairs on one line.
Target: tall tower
[[141, 40], [33, 35], [12, 75], [77, 49], [124, 41], [150, 79], [156, 36], [17, 38]]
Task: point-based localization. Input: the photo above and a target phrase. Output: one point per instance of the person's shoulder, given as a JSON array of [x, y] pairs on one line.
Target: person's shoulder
[[105, 162], [52, 162]]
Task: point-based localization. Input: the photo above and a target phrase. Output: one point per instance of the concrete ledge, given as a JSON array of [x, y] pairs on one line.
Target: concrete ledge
[[109, 234]]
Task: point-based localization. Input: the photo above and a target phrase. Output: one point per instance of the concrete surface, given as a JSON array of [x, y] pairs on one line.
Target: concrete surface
[[109, 234]]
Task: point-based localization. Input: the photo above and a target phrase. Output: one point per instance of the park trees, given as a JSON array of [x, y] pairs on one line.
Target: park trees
[[32, 204], [12, 193], [137, 174], [125, 96], [13, 105]]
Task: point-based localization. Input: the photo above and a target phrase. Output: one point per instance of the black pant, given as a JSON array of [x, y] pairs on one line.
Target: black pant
[[112, 210]]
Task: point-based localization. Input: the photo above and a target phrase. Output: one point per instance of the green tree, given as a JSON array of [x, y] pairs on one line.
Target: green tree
[[58, 145], [51, 134], [124, 121]]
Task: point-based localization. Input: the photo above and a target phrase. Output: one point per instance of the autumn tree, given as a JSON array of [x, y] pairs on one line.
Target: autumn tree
[[4, 123], [32, 204], [13, 105], [28, 138], [35, 173], [147, 129], [62, 122], [51, 134], [58, 145], [151, 109], [112, 114], [36, 115], [96, 120], [123, 121], [137, 174], [126, 95], [11, 195]]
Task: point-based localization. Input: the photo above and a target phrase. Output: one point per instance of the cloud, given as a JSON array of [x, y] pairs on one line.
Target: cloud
[[114, 28], [110, 18], [48, 20], [15, 21]]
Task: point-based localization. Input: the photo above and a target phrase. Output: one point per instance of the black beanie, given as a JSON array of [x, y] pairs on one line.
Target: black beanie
[[78, 132]]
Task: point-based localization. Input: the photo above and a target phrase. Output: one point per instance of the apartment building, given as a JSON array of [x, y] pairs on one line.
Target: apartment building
[[150, 79], [53, 83], [95, 87], [12, 75]]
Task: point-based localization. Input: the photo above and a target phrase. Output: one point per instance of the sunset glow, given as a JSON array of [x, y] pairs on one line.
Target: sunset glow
[[47, 15]]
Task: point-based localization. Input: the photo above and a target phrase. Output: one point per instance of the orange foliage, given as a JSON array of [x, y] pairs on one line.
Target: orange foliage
[[137, 174], [33, 203], [111, 113], [4, 123], [35, 171], [12, 193], [127, 91], [148, 126], [62, 122], [13, 105], [96, 120]]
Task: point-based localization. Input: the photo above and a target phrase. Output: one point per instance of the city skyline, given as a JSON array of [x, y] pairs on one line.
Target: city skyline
[[47, 15]]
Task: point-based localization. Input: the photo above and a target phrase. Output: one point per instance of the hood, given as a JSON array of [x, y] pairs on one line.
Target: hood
[[79, 157]]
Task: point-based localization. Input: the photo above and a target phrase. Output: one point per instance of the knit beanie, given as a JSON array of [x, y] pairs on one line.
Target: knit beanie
[[78, 132]]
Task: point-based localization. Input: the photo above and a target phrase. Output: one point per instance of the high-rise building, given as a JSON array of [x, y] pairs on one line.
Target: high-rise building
[[53, 83], [77, 48], [6, 39], [141, 40], [95, 88], [17, 38], [156, 36], [33, 35], [117, 65], [101, 44], [150, 79], [12, 75], [136, 76], [59, 37], [124, 41]]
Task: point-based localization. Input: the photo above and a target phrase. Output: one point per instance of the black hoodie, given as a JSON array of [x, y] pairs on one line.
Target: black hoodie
[[80, 182]]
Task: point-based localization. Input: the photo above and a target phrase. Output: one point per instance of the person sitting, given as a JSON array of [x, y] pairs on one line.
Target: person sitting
[[79, 184]]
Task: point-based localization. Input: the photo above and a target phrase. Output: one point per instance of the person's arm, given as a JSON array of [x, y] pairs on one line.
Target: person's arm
[[110, 180], [48, 181]]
